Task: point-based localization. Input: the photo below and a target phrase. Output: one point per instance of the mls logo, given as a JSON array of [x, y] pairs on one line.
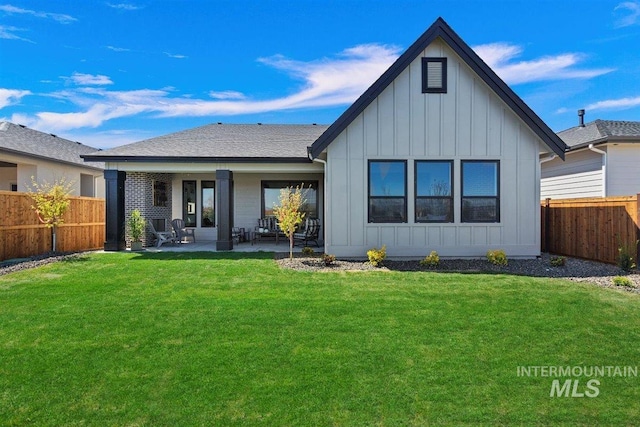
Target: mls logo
[[591, 389]]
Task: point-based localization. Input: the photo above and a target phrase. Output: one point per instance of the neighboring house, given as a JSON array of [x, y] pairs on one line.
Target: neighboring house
[[438, 154], [27, 153], [603, 160]]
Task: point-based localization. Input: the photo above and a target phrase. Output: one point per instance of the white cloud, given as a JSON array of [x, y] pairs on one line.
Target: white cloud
[[118, 49], [59, 17], [626, 13], [325, 82], [227, 94], [11, 96], [501, 57], [9, 33], [178, 56], [124, 6], [90, 79], [615, 104]]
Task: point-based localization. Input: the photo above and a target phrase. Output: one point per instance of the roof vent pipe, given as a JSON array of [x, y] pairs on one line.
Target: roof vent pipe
[[581, 117]]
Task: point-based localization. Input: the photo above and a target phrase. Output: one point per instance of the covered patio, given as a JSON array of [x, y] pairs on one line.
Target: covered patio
[[210, 246], [215, 178]]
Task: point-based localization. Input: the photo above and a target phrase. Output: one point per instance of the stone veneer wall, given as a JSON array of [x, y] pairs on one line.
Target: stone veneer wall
[[138, 190]]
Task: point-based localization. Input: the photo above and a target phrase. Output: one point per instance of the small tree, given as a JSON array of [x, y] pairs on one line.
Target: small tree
[[137, 226], [50, 202], [288, 213]]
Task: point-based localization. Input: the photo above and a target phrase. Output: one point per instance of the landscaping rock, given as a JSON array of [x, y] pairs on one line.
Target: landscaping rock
[[577, 270]]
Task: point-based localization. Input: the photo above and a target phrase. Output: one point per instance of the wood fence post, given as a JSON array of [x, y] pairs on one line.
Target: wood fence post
[[547, 224]]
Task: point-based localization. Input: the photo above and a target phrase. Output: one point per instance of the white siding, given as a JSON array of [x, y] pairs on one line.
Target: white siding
[[623, 169], [468, 122], [580, 175], [43, 170]]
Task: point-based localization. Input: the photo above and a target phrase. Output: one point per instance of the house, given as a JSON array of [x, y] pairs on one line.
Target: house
[[438, 154], [602, 161], [26, 153]]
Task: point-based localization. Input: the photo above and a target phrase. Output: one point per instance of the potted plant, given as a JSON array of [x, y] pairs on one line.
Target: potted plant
[[136, 229]]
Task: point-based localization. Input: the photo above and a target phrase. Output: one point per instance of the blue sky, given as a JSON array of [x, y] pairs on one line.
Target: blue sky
[[107, 73]]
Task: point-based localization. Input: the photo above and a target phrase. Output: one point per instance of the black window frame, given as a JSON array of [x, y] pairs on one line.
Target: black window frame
[[425, 75], [372, 220], [159, 193], [204, 185], [450, 197], [280, 183], [185, 208], [463, 197]]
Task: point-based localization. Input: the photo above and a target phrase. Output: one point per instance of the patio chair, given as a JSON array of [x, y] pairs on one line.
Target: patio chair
[[161, 236], [310, 233], [182, 233]]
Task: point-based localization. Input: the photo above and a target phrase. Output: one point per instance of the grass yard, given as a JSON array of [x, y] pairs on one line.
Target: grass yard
[[230, 339]]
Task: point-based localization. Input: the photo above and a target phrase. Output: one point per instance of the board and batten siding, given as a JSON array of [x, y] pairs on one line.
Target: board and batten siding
[[579, 175], [468, 122]]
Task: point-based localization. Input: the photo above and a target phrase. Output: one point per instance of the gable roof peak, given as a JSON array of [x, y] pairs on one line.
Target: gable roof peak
[[441, 29]]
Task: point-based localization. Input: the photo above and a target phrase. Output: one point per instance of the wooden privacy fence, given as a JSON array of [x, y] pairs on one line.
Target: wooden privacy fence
[[590, 228], [22, 235]]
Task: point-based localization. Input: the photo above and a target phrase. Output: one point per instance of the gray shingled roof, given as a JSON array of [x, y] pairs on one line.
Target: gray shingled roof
[[599, 131], [21, 140], [234, 141]]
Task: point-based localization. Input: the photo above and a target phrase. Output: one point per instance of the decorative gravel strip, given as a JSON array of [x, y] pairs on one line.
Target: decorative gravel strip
[[577, 270], [10, 266]]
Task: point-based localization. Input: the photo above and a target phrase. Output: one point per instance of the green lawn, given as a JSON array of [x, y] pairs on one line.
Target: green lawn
[[230, 339]]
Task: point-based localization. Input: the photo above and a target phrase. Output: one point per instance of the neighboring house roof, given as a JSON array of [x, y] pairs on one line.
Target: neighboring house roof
[[20, 140], [441, 29], [221, 142], [599, 132]]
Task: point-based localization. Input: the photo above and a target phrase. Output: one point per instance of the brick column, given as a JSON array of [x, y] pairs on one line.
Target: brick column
[[224, 209], [115, 225]]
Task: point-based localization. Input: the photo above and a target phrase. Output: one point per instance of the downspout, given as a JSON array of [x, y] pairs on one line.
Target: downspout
[[547, 228], [326, 199], [604, 168]]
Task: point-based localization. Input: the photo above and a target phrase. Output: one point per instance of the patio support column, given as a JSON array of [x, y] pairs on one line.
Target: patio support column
[[114, 229], [224, 209]]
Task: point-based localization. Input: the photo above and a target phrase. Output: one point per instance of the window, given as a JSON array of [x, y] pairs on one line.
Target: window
[[271, 196], [208, 204], [387, 191], [86, 185], [434, 191], [189, 203], [434, 75], [159, 194], [480, 191], [14, 187]]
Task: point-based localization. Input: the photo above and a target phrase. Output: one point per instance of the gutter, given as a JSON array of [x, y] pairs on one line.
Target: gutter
[[604, 167], [548, 159]]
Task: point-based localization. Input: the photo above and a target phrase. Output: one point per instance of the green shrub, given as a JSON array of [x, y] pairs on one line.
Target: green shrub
[[376, 256], [558, 261], [497, 257], [136, 225], [622, 281], [626, 256], [328, 259], [308, 251], [432, 260]]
